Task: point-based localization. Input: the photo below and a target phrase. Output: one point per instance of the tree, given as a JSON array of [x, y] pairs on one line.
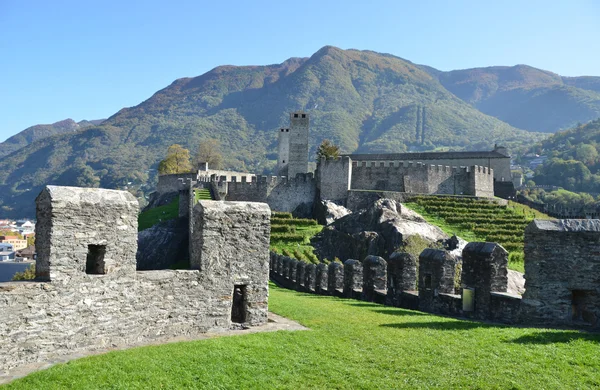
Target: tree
[[209, 151], [177, 161], [327, 150], [586, 153]]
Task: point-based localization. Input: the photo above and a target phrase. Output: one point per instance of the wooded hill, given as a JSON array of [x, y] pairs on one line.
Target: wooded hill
[[361, 100]]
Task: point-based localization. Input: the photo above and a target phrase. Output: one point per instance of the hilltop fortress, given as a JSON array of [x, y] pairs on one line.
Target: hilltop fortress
[[351, 179]]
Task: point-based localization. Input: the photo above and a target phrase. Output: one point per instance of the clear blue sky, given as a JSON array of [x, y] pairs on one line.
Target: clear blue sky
[[88, 59]]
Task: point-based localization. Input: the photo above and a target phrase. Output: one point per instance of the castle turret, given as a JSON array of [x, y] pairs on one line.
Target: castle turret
[[298, 143]]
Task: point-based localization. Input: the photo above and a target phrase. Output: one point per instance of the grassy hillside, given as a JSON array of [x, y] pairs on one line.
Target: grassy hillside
[[350, 345], [291, 236], [361, 100], [480, 220], [526, 97], [158, 214]]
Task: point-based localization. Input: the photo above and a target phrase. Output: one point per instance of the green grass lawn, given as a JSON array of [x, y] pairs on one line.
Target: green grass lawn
[[158, 214], [351, 345]]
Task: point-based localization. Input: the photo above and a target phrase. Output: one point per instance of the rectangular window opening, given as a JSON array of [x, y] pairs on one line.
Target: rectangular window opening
[[94, 264], [581, 306], [427, 280], [238, 306]]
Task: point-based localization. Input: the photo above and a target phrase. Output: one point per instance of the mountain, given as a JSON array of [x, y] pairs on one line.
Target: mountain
[[38, 132], [361, 100], [526, 97]]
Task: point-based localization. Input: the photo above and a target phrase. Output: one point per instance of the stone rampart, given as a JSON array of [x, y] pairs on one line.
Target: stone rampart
[[279, 192], [89, 296], [172, 182]]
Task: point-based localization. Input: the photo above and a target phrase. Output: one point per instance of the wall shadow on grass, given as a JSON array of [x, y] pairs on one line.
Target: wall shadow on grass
[[442, 325], [556, 337]]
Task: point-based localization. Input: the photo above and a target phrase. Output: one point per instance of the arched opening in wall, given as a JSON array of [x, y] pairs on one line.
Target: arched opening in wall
[[238, 306], [94, 263]]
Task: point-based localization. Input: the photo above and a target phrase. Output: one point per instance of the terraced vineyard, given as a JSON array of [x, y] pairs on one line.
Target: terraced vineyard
[[291, 236], [479, 220], [202, 194]]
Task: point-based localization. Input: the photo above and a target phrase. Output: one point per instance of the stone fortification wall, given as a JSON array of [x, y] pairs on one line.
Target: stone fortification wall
[[334, 177], [393, 282], [495, 161], [172, 183], [562, 272], [280, 193], [401, 176], [89, 296]]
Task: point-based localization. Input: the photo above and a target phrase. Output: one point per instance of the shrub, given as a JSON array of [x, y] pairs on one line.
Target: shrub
[[28, 274]]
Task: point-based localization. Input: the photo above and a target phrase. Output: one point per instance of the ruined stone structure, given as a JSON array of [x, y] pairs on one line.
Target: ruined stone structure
[[89, 296], [562, 272]]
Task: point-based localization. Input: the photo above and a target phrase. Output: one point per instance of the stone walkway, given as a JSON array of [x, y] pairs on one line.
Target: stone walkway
[[275, 323]]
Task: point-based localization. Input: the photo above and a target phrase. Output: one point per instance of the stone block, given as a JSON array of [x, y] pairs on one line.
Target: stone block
[[321, 279], [310, 277], [353, 277], [374, 276], [402, 276], [300, 275], [484, 269], [335, 278], [437, 270]]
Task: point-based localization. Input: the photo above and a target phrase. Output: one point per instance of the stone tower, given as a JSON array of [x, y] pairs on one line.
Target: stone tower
[[283, 151], [298, 143]]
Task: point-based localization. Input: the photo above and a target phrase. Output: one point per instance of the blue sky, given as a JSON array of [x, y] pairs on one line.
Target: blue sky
[[88, 59]]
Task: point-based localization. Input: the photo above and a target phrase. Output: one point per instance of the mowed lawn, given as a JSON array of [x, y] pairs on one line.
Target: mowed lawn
[[351, 345]]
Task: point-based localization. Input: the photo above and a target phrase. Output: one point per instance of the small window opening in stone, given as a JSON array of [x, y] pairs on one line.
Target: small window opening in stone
[[282, 130], [427, 280], [295, 115], [303, 115], [581, 300], [283, 161], [287, 130], [238, 307], [94, 263]]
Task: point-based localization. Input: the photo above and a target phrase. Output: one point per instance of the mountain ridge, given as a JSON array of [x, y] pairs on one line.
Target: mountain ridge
[[361, 100]]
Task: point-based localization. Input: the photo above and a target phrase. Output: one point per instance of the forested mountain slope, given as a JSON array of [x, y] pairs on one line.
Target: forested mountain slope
[[361, 100]]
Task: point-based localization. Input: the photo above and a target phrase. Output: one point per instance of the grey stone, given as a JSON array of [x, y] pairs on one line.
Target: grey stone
[[335, 277], [353, 277], [374, 276]]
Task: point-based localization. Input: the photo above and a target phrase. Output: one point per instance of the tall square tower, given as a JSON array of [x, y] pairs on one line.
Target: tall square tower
[[283, 151], [298, 143]]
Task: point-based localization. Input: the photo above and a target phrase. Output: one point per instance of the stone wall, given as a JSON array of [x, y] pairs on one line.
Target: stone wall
[[88, 295], [334, 177], [499, 163], [280, 193], [562, 272], [172, 183]]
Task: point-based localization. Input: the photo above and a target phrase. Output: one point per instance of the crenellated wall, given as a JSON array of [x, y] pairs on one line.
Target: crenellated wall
[[88, 295], [279, 192]]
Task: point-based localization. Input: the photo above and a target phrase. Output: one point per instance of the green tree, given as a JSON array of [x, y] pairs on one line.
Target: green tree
[[327, 150], [209, 151], [177, 161], [586, 153]]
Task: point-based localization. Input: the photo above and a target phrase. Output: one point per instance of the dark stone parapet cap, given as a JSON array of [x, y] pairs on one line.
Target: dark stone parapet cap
[[564, 225], [482, 247]]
